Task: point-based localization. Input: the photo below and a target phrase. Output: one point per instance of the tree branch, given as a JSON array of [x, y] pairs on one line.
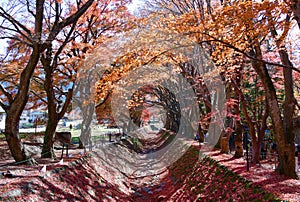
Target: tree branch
[[7, 94], [28, 8], [40, 97], [227, 44], [14, 22], [68, 21], [67, 102]]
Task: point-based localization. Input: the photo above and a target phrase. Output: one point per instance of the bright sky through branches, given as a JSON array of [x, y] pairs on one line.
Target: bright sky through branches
[[135, 5]]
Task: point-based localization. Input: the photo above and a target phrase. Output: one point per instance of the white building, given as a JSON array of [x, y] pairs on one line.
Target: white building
[[37, 114], [2, 119]]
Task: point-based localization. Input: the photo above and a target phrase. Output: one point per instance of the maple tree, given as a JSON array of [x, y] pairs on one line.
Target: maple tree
[[196, 12], [235, 35], [281, 119], [36, 41], [145, 50], [241, 27], [71, 32], [102, 21], [255, 111], [232, 74]]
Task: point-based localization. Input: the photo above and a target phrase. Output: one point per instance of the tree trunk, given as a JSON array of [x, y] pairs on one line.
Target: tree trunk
[[200, 133], [286, 150], [47, 151], [12, 136], [238, 140], [86, 90], [283, 126], [228, 122], [53, 118], [255, 152], [287, 160], [17, 106], [218, 145], [85, 136], [53, 114], [81, 146], [224, 145], [256, 145]]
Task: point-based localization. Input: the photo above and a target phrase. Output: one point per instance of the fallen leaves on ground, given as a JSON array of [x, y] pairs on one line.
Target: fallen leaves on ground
[[208, 176]]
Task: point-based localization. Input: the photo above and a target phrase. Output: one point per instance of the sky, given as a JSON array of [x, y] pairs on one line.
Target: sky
[[135, 5]]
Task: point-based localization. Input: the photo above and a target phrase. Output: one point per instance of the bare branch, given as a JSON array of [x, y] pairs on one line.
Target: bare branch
[[7, 76], [14, 22], [40, 97], [68, 21], [5, 107], [28, 8], [16, 39], [63, 45], [7, 94], [38, 80]]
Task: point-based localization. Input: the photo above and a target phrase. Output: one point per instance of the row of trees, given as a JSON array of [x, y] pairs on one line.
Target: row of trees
[[253, 47], [248, 41], [249, 44], [46, 44]]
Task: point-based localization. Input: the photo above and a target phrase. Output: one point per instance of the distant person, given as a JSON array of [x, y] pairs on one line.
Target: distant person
[[273, 147]]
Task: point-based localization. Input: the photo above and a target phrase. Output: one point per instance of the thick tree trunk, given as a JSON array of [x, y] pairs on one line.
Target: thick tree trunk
[[218, 145], [47, 151], [228, 122], [287, 161], [225, 136], [286, 149], [12, 136], [86, 90], [53, 119], [283, 125], [17, 106], [81, 145], [256, 145], [54, 115], [85, 138], [238, 140], [255, 152]]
